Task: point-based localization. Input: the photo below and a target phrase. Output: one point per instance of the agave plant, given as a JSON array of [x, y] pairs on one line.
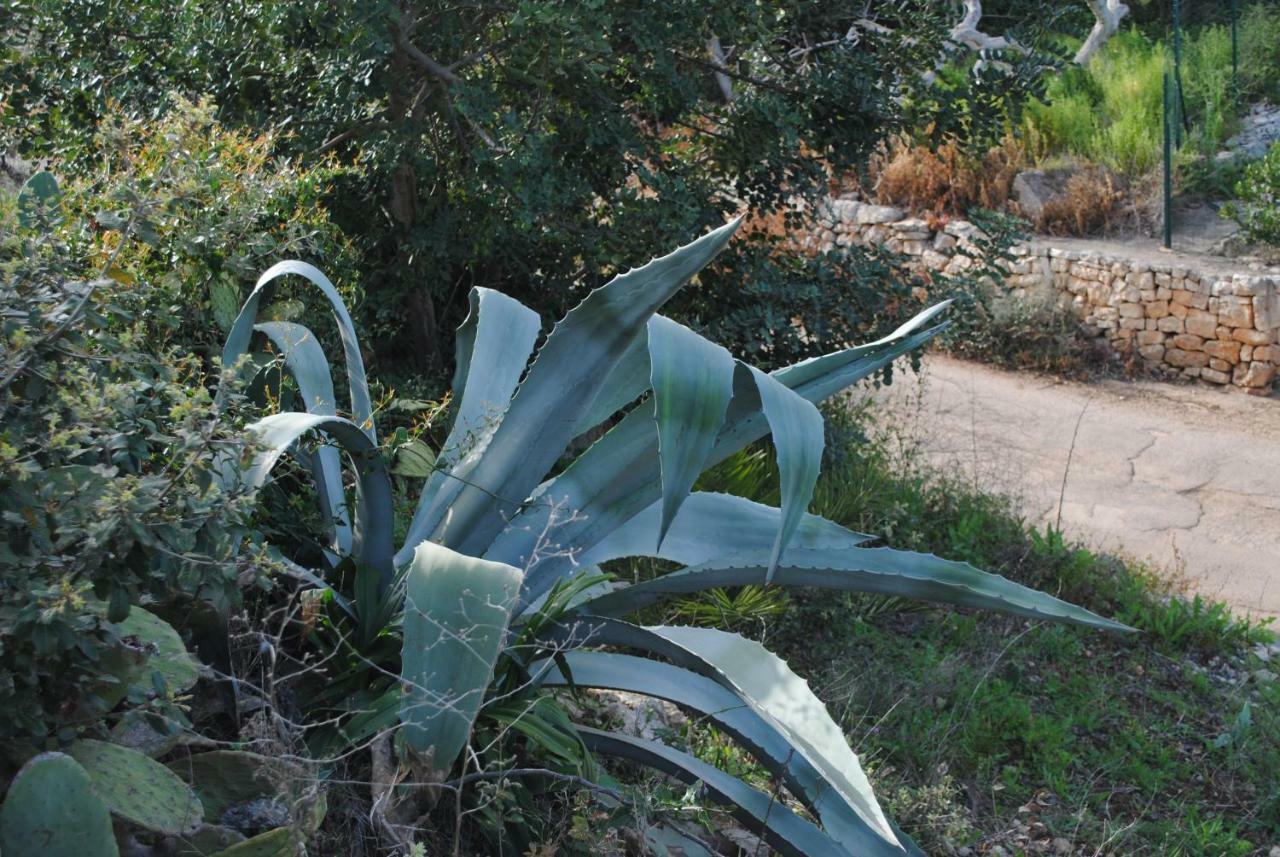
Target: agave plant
[[503, 521]]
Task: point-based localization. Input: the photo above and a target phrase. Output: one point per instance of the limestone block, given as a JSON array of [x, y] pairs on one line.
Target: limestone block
[[1133, 324], [1150, 337], [1163, 294], [1219, 365], [943, 241], [1131, 310], [1157, 309], [1180, 310], [875, 214], [1201, 323], [1215, 376], [1188, 342], [1257, 374], [1154, 353], [1228, 351], [1269, 353], [1251, 337], [1182, 297], [1246, 353], [1186, 359], [1170, 324], [1266, 310], [1235, 312]]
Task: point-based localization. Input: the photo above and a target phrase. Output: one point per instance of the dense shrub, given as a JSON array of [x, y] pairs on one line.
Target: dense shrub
[[1258, 206], [947, 179]]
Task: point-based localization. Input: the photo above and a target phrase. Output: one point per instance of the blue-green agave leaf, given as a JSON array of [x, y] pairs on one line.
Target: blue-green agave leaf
[[785, 831], [710, 526], [456, 613], [627, 381], [372, 539], [237, 344], [798, 438], [767, 685], [493, 348], [306, 361], [617, 478], [720, 705], [884, 571], [562, 384], [692, 381]]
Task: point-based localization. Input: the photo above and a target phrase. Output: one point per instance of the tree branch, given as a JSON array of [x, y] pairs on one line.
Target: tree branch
[[1107, 15]]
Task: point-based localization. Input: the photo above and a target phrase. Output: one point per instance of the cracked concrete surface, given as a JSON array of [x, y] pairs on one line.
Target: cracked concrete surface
[[1184, 477]]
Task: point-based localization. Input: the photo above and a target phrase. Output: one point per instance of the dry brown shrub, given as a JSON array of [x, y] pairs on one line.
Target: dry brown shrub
[[1088, 206], [946, 181]]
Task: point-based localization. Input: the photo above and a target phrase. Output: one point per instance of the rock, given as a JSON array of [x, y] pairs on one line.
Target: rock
[[1251, 337], [1256, 374], [1215, 376], [1259, 128], [1263, 676], [1033, 189], [1170, 324], [1227, 351], [1201, 323], [1186, 359], [1157, 309], [1061, 846], [878, 214]]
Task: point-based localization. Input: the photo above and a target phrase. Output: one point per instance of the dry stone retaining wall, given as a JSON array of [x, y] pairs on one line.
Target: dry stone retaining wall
[[1223, 328]]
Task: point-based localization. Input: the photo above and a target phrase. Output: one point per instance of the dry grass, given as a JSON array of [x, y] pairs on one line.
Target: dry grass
[[1088, 207], [946, 180]]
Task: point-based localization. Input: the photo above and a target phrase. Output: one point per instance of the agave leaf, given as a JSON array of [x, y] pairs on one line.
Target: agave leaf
[[372, 543], [493, 348], [780, 827], [241, 332], [627, 381], [617, 478], [885, 571], [765, 683], [709, 525], [560, 388], [798, 438], [307, 363], [720, 705], [692, 380], [456, 612]]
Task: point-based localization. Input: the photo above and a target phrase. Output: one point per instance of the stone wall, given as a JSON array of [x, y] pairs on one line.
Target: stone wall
[[1191, 317]]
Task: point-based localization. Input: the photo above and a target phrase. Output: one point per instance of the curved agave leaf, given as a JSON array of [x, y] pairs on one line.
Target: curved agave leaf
[[616, 478], [493, 348], [798, 438], [307, 363], [627, 381], [372, 543], [722, 707], [456, 612], [765, 683], [708, 525], [242, 330], [885, 571], [560, 388], [784, 830], [692, 381]]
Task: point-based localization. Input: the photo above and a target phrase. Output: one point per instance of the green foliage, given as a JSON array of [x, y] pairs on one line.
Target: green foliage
[[528, 146], [1257, 207], [1259, 34], [51, 808]]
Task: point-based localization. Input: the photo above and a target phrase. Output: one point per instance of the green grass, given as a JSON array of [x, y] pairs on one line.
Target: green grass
[[981, 729], [1110, 113]]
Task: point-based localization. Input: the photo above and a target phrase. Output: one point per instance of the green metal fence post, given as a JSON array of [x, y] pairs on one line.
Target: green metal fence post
[[1168, 163], [1177, 71]]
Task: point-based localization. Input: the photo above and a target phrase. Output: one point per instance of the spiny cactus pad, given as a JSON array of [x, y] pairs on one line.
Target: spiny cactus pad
[[208, 840], [225, 778], [139, 789], [51, 809], [170, 656]]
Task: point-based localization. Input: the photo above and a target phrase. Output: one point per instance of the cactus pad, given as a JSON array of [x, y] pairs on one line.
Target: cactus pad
[[280, 842], [139, 789], [51, 810]]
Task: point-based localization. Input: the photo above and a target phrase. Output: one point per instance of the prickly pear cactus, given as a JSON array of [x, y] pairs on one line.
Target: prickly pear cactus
[[280, 842], [224, 298], [51, 809], [139, 789], [169, 656], [208, 840], [225, 778]]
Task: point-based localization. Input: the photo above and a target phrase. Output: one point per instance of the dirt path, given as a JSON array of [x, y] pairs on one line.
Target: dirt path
[[1185, 477]]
